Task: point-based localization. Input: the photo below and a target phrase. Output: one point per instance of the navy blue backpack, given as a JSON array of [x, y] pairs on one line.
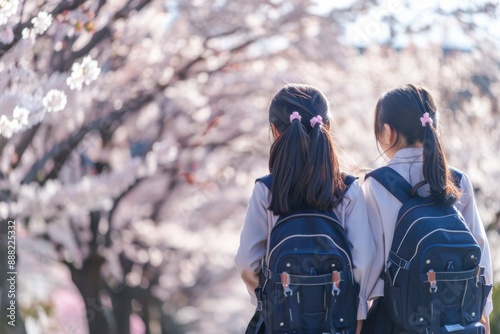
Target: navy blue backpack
[[433, 281], [307, 283]]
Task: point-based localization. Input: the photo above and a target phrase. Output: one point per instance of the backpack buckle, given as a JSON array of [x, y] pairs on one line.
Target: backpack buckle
[[431, 276], [335, 283], [285, 281]]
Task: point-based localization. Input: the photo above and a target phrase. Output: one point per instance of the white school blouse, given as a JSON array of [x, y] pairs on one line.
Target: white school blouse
[[352, 215], [383, 210]]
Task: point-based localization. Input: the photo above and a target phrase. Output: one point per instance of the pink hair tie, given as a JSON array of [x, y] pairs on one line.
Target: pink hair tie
[[316, 120], [426, 119], [295, 115]]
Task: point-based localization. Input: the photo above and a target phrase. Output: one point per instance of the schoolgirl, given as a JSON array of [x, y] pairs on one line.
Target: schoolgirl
[[305, 170], [406, 131]]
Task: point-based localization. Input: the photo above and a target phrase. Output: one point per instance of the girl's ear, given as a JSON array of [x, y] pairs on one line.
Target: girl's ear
[[275, 131], [387, 136], [387, 139], [393, 136]]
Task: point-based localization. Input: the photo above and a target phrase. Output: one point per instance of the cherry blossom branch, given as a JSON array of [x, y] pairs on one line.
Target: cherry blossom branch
[[105, 32], [22, 11], [23, 144], [125, 11], [174, 181], [116, 202], [97, 38], [61, 7], [60, 152], [138, 181], [99, 6], [63, 59]]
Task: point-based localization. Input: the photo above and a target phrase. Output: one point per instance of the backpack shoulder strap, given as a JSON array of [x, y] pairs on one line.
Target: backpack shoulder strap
[[348, 181], [398, 186], [266, 180], [393, 182], [457, 176]]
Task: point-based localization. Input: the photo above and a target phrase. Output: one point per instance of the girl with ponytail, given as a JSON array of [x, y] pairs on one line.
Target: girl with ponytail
[[305, 173], [406, 129]]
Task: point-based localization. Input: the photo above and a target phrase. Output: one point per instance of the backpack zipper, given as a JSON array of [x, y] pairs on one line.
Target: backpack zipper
[[310, 236], [310, 215], [432, 232], [414, 207], [416, 221]]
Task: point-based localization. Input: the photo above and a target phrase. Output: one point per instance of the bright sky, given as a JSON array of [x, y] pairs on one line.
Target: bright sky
[[369, 28]]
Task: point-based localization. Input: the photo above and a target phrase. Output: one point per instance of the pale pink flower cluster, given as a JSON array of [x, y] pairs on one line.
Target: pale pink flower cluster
[[55, 100], [41, 22], [83, 73], [10, 126], [29, 33], [7, 9]]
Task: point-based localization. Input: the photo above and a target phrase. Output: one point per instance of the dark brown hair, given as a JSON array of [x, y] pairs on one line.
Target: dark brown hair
[[303, 162], [401, 108]]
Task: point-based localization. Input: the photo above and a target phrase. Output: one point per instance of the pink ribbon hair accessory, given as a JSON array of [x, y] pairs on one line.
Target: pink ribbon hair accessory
[[295, 115], [316, 120], [426, 119]]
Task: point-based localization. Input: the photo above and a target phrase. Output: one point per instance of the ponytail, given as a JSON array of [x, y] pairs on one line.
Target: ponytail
[[435, 166], [287, 163], [324, 182]]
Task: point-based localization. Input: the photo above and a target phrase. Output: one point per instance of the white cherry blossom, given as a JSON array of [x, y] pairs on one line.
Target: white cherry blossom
[[21, 114], [41, 22], [7, 9], [18, 122], [29, 34], [55, 100], [5, 127], [83, 73]]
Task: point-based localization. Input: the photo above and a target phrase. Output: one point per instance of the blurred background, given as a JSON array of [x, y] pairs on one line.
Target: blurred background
[[132, 132]]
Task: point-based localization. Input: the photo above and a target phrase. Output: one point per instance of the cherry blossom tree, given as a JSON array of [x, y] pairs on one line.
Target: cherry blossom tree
[[132, 131]]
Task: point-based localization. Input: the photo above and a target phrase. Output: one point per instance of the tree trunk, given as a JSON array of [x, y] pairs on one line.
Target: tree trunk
[[89, 282], [122, 309]]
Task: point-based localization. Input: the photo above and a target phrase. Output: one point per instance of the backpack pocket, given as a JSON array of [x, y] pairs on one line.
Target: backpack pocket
[[343, 308], [312, 304], [396, 298], [299, 307], [456, 298], [475, 297], [312, 300], [393, 302]]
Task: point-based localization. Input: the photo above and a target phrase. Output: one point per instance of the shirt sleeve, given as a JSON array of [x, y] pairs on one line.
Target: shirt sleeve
[[468, 208], [253, 240], [363, 246], [376, 222]]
